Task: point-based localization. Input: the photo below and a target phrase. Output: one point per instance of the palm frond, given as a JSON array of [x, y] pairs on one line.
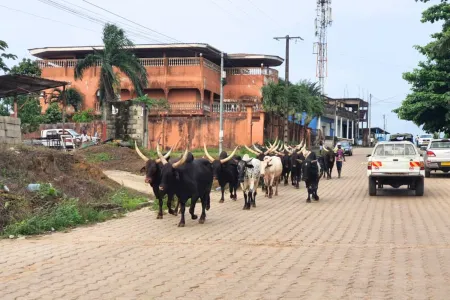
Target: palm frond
[[83, 64]]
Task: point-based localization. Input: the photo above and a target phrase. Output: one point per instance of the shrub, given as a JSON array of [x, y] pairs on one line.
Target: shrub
[[84, 116]]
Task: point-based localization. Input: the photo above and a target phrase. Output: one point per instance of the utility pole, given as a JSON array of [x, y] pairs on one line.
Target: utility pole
[[384, 126], [286, 76], [370, 116], [221, 105]]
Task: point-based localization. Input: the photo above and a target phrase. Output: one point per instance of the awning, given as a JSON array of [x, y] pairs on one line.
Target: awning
[[13, 85]]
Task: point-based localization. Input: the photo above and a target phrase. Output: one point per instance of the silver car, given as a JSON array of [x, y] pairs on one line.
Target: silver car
[[437, 156]]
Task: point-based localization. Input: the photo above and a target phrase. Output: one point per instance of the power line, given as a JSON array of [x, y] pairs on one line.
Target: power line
[[231, 14], [104, 9], [45, 18], [86, 16], [263, 12]]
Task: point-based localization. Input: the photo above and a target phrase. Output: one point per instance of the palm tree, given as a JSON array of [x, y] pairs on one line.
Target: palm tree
[[116, 53], [313, 101], [272, 101]]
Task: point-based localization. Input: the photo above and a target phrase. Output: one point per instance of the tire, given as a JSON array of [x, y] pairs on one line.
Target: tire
[[427, 173], [420, 187], [372, 187]]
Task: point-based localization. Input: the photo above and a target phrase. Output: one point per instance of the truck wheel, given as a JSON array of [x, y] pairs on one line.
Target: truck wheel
[[420, 187], [427, 173], [372, 187]]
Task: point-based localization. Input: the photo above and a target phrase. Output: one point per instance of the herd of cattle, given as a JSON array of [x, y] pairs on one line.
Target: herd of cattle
[[189, 178]]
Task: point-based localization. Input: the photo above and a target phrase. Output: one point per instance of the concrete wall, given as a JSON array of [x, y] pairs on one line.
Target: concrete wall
[[198, 130], [10, 131], [127, 123]]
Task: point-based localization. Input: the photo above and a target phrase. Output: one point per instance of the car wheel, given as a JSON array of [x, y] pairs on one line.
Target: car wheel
[[372, 187], [420, 187], [427, 173]]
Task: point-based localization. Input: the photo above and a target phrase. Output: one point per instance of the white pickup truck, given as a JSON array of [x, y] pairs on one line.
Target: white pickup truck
[[395, 164], [437, 156]]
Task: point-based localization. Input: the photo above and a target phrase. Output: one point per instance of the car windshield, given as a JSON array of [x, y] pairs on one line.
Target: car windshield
[[440, 145], [345, 144], [395, 150], [426, 136], [72, 132]]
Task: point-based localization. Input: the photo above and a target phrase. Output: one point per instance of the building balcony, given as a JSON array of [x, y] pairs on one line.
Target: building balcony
[[341, 112], [199, 109]]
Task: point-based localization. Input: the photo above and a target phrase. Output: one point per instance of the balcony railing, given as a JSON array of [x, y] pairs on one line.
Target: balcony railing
[[172, 62], [235, 108], [341, 112], [252, 71]]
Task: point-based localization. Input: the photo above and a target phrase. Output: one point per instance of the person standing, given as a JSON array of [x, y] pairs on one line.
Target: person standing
[[340, 158], [417, 140]]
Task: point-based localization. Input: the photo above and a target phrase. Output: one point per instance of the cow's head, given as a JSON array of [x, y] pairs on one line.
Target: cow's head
[[169, 170], [151, 165], [242, 167], [265, 164], [218, 164]]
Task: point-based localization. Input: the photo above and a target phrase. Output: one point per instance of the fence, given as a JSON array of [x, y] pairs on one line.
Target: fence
[[10, 131]]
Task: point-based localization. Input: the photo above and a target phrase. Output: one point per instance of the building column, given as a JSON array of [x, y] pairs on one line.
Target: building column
[[353, 131], [336, 132], [340, 129], [348, 125]]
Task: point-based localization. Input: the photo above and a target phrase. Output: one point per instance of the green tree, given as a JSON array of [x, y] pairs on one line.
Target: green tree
[[30, 113], [4, 56], [72, 95], [84, 116], [428, 104], [116, 53], [313, 103], [53, 114], [27, 67]]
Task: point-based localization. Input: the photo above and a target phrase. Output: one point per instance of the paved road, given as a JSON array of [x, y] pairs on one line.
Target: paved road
[[347, 246]]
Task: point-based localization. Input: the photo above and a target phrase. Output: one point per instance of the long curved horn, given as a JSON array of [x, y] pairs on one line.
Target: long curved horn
[[145, 158], [182, 160], [222, 161], [279, 153], [287, 149], [209, 157], [161, 157], [257, 150], [271, 148], [281, 146], [252, 151]]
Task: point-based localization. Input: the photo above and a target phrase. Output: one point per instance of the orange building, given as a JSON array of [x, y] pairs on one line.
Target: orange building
[[187, 75]]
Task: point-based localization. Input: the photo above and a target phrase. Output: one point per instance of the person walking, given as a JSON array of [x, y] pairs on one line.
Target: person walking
[[340, 158]]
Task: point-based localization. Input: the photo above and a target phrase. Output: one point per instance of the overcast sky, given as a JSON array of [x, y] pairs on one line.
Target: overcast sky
[[370, 43]]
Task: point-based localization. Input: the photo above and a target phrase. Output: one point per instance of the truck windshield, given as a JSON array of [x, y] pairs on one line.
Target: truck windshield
[[426, 136], [395, 150], [440, 145]]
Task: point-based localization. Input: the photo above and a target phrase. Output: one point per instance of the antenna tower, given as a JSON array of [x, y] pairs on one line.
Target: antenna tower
[[322, 22]]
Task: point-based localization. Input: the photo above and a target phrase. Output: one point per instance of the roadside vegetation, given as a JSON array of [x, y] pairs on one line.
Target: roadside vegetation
[[65, 191]]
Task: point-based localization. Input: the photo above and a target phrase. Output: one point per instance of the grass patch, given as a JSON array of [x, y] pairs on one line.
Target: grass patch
[[127, 200], [99, 157]]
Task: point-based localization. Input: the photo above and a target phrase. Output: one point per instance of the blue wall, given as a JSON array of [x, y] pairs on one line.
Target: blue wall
[[313, 123]]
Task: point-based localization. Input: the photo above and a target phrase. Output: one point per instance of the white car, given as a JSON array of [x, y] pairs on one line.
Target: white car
[[424, 139], [437, 156], [395, 164]]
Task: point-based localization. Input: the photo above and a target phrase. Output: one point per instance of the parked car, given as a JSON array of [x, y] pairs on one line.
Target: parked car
[[347, 147], [55, 138], [424, 140], [401, 137], [395, 164], [437, 156]]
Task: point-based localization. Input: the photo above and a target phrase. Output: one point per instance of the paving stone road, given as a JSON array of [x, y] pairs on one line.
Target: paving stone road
[[347, 246]]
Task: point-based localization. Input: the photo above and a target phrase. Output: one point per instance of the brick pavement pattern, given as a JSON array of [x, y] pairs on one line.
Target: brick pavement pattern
[[347, 246]]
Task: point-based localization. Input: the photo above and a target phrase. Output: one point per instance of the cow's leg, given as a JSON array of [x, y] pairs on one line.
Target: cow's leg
[[245, 200], [192, 208], [176, 207], [160, 202], [204, 202], [222, 190], [254, 198], [276, 190], [308, 189], [183, 207], [249, 199], [169, 205]]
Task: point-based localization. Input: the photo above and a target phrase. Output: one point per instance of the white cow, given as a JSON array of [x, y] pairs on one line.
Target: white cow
[[271, 170], [248, 177]]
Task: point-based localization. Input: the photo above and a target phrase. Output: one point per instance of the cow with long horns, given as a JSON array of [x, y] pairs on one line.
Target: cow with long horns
[[152, 171], [248, 177], [310, 174], [187, 180], [225, 172]]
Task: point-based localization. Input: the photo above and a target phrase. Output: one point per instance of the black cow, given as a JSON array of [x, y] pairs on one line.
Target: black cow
[[286, 161], [328, 161], [188, 180], [296, 171], [225, 171], [152, 171], [311, 176]]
